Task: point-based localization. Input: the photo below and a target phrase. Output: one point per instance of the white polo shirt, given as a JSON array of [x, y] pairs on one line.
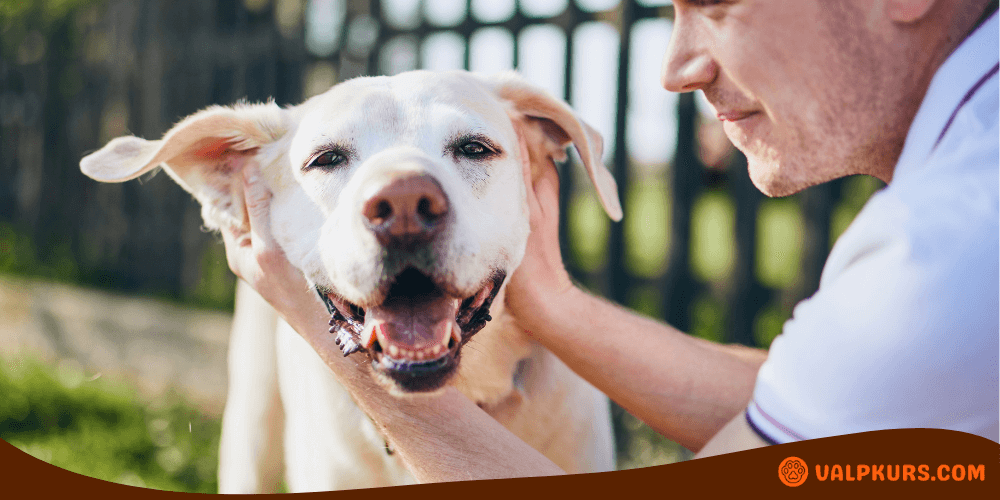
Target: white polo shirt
[[903, 331]]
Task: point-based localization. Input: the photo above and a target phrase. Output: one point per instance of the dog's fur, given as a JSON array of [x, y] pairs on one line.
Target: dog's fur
[[377, 130]]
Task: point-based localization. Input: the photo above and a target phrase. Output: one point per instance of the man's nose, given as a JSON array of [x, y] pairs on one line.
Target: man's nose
[[687, 65]]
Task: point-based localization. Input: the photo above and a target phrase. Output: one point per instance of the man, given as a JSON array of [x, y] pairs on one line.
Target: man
[[903, 330]]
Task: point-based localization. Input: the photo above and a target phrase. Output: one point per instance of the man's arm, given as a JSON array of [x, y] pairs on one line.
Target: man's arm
[[737, 435], [683, 387]]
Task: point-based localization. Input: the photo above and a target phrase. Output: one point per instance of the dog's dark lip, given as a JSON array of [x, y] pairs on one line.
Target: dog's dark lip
[[409, 368]]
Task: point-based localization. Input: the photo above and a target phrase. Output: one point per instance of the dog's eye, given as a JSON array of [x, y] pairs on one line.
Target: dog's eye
[[474, 149], [327, 160]]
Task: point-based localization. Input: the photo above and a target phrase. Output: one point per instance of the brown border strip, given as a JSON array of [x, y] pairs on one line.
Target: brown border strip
[[753, 471]]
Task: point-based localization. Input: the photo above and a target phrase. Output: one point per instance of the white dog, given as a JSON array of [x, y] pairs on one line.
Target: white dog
[[402, 201]]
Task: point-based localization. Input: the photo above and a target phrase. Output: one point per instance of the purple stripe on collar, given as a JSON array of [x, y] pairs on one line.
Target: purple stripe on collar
[[763, 435], [968, 96], [777, 424]]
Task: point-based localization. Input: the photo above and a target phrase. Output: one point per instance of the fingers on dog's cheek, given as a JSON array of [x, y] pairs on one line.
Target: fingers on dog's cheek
[[254, 191], [547, 183], [525, 159]]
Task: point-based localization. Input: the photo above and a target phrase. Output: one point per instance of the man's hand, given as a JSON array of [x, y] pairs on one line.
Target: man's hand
[[255, 256], [541, 279]]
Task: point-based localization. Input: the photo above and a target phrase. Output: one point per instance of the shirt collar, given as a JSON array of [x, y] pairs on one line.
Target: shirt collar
[[974, 58]]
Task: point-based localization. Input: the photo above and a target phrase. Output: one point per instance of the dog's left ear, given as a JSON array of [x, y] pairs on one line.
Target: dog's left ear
[[548, 126], [205, 153]]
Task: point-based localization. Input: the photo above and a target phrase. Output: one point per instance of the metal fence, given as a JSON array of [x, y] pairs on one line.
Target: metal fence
[[77, 73], [73, 79]]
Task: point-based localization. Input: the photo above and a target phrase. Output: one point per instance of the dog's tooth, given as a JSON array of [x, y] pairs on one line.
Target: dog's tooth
[[456, 333], [369, 334], [393, 350], [436, 350], [420, 355]]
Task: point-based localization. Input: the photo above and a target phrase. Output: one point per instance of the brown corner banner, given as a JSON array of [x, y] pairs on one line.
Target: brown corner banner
[[917, 463]]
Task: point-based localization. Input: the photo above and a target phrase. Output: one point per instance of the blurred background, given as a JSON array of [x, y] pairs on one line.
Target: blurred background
[[115, 303]]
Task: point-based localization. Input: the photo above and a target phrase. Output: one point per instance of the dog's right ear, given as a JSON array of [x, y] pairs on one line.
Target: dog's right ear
[[205, 153], [548, 125]]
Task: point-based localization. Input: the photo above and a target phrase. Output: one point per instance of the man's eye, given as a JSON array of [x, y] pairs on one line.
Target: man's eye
[[327, 160], [474, 149]]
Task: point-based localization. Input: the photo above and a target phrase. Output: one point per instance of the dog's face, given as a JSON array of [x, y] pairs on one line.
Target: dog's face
[[400, 198]]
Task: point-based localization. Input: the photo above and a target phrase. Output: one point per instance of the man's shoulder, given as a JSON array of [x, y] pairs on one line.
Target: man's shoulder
[[923, 255], [940, 207]]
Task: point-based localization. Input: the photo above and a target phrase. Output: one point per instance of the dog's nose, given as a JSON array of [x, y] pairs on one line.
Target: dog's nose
[[408, 211]]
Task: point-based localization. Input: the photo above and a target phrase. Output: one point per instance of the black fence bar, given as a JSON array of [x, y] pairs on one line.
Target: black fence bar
[[679, 288], [617, 281]]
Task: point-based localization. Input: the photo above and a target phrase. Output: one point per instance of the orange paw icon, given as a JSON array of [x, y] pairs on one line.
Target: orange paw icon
[[793, 471]]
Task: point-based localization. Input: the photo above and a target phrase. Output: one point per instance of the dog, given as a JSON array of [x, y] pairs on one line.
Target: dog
[[402, 200]]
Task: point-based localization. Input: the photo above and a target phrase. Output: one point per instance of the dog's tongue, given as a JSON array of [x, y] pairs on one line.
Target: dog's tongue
[[413, 328]]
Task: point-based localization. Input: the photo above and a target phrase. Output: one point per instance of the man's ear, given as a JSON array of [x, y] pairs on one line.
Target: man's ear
[[205, 153], [548, 125]]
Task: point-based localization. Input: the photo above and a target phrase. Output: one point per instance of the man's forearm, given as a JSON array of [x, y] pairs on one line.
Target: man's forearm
[[444, 437], [683, 387]]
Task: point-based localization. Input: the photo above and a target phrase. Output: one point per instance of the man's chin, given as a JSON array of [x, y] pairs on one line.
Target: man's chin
[[776, 180], [769, 178]]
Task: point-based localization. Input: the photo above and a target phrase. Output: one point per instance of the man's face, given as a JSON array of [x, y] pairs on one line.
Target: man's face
[[798, 85]]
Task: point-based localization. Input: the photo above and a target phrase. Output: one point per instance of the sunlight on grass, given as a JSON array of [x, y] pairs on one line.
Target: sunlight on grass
[[708, 318], [646, 448], [780, 231], [768, 324], [856, 192], [646, 236], [645, 300], [588, 230], [712, 250]]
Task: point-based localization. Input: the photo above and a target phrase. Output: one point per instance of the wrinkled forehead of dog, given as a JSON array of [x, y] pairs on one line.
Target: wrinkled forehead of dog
[[419, 108]]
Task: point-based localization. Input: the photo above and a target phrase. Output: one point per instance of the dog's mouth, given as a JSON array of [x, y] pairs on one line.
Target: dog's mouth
[[413, 337]]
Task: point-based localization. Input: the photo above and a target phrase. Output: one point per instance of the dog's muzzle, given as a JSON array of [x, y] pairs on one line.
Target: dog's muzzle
[[413, 338]]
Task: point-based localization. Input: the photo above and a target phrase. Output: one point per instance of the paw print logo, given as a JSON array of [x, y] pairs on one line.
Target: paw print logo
[[793, 471]]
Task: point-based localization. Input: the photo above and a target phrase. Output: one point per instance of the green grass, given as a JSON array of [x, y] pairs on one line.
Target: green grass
[[780, 230], [588, 229], [646, 238], [857, 191], [99, 428], [645, 448], [713, 250]]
